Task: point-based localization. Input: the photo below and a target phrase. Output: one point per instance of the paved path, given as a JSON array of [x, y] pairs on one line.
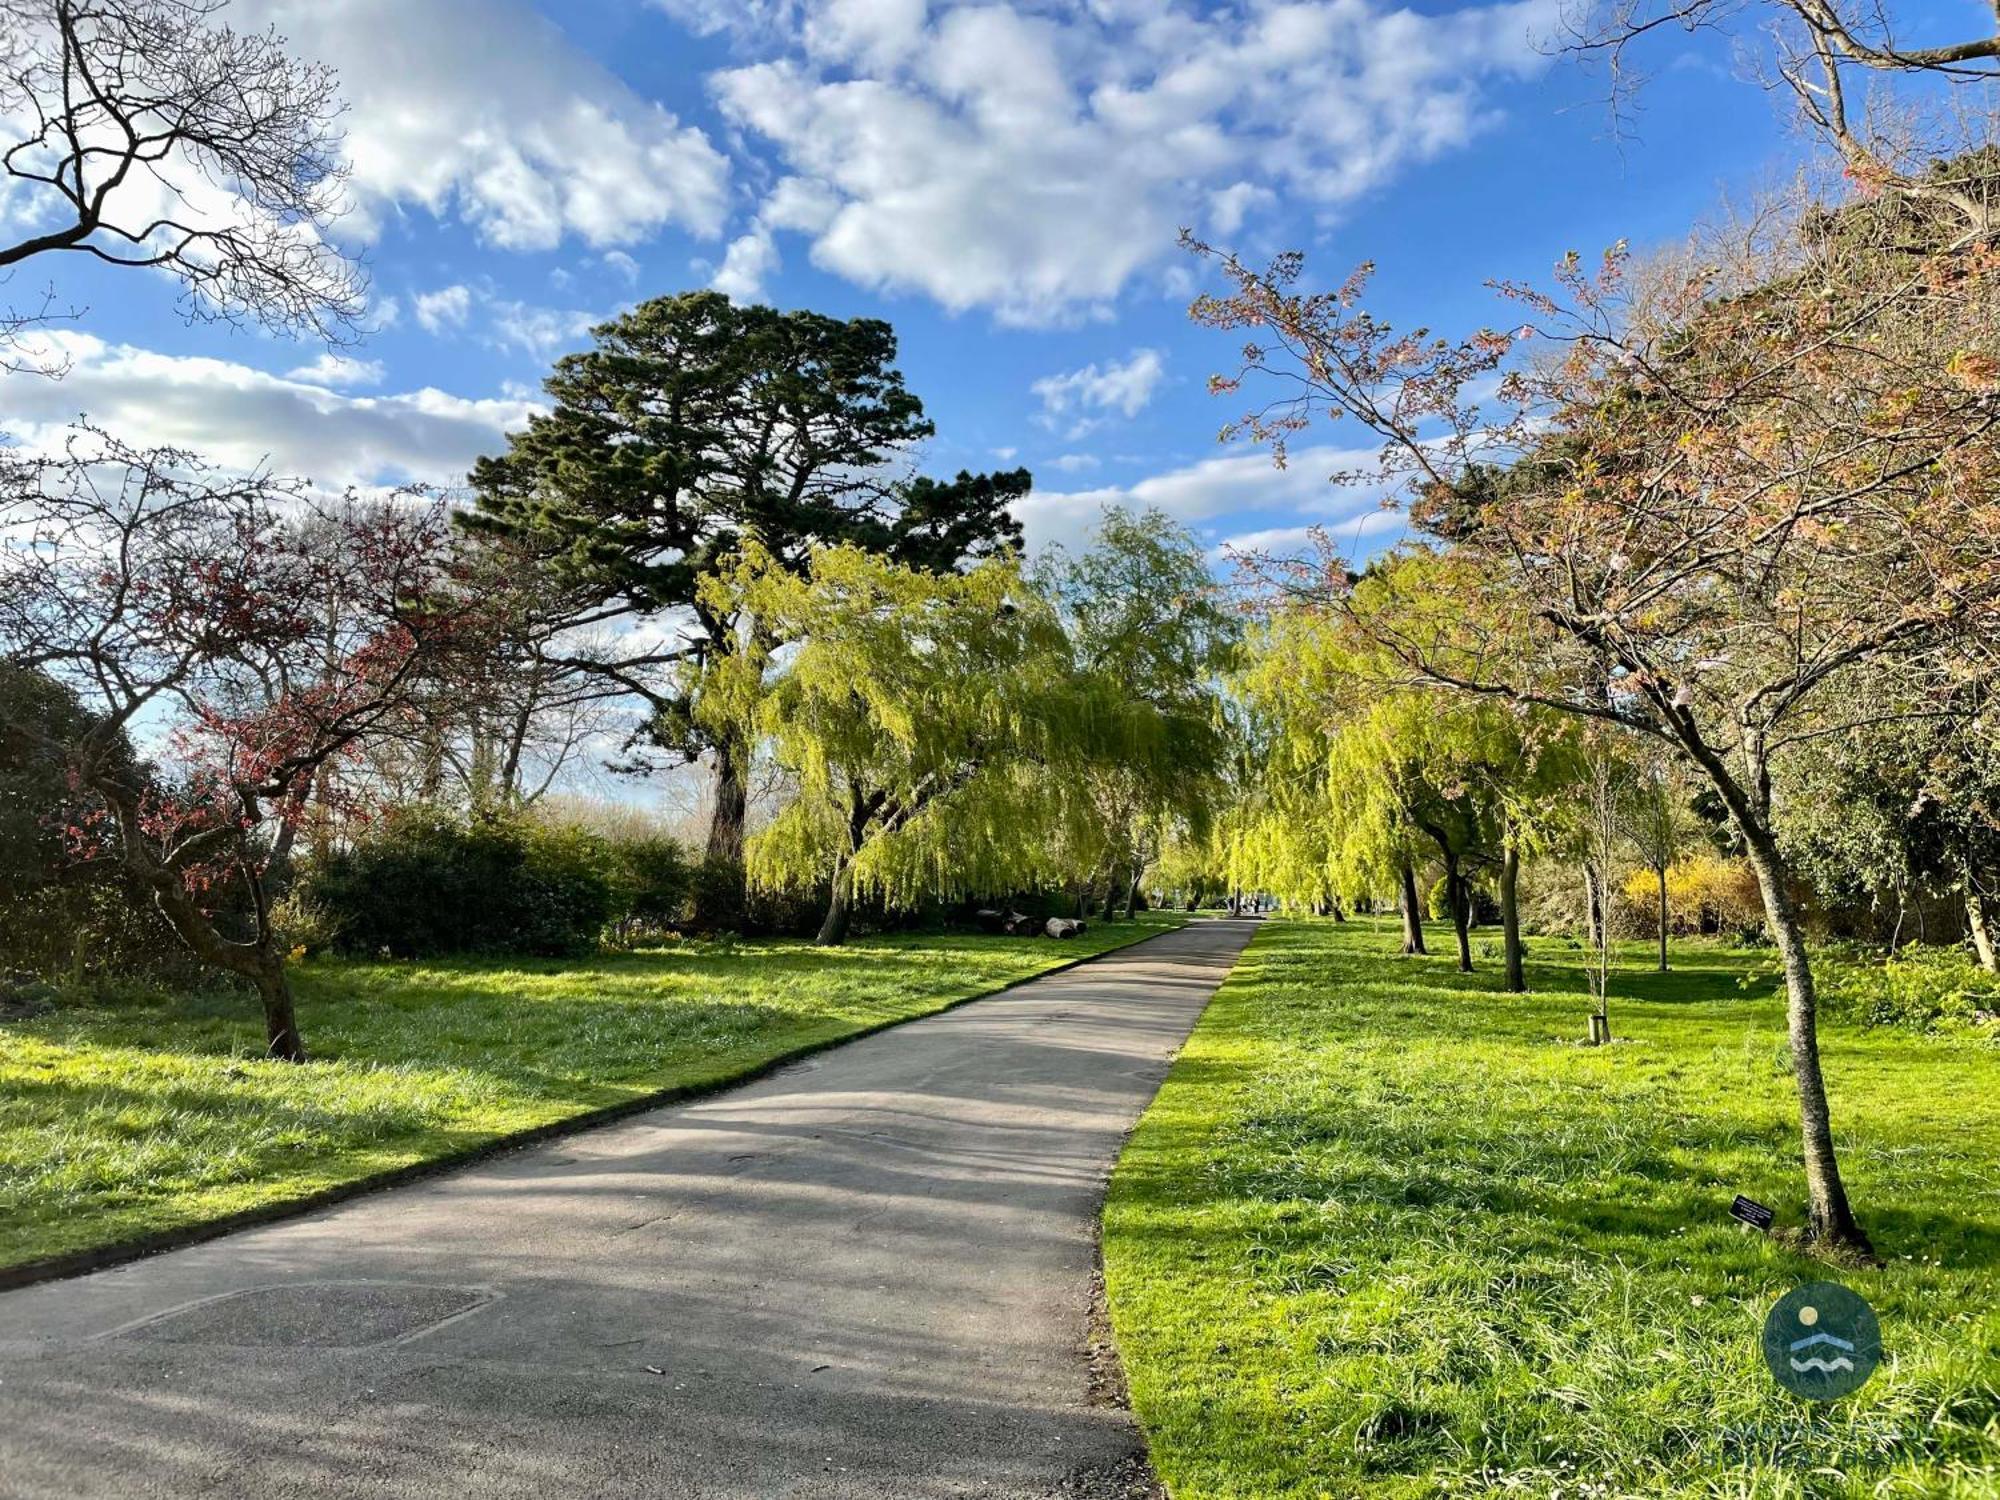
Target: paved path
[[865, 1276]]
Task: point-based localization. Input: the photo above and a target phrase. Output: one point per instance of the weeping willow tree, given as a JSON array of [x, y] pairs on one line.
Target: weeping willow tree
[[1144, 616], [937, 727]]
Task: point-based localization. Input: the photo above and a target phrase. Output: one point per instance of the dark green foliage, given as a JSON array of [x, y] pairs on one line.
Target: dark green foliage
[[1485, 909], [720, 902], [426, 883], [61, 915], [653, 880]]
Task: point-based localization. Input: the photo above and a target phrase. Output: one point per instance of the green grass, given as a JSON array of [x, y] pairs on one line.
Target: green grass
[[1389, 1232], [122, 1120]]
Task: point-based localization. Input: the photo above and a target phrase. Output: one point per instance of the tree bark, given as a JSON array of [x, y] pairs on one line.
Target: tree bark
[[1413, 914], [1662, 873], [1593, 909], [1510, 916], [1110, 907], [1458, 897], [833, 926], [1831, 1219], [1132, 896], [281, 1026], [732, 804], [1979, 918]]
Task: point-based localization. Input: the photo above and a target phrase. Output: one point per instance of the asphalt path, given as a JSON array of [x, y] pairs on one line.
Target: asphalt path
[[866, 1275]]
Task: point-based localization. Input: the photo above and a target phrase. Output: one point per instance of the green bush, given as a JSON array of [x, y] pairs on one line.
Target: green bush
[[653, 881], [426, 882], [1919, 988]]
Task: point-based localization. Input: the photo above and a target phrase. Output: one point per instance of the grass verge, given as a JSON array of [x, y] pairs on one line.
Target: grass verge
[[122, 1121], [1388, 1232]]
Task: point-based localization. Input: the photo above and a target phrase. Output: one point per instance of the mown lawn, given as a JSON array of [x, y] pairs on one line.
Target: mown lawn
[[1389, 1232], [122, 1120]]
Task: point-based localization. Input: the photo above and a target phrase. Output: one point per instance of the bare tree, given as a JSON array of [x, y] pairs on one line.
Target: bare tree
[[1824, 52], [150, 133]]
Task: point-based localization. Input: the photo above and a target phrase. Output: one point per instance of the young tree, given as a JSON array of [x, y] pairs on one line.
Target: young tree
[[192, 607], [150, 133], [934, 723], [1726, 499], [690, 426]]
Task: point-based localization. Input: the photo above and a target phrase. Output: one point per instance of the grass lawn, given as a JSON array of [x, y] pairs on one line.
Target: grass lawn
[[1389, 1232], [120, 1121]]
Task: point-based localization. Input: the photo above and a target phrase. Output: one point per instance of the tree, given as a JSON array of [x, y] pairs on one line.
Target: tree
[[1142, 611], [692, 425], [151, 134], [1655, 820], [1725, 497], [1907, 805], [934, 723], [194, 606]]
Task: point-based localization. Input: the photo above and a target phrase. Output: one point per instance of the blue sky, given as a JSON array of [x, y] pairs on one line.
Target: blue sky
[[1001, 181]]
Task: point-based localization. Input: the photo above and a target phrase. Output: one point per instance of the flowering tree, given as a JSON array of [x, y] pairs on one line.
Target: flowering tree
[[251, 635], [1715, 496]]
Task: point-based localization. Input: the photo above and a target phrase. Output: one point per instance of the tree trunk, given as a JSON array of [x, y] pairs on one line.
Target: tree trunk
[[1831, 1220], [281, 1025], [1662, 873], [1510, 917], [1110, 907], [1593, 910], [1458, 897], [1413, 914], [1132, 897], [1979, 918], [833, 926], [732, 804]]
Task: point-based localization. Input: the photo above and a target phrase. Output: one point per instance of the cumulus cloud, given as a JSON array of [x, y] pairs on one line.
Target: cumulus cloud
[[447, 307], [1082, 399], [243, 418], [483, 110], [1033, 162]]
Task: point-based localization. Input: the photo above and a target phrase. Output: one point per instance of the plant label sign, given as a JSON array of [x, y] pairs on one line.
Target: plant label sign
[[1751, 1212]]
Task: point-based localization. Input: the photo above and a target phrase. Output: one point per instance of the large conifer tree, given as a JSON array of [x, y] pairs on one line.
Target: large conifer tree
[[693, 423]]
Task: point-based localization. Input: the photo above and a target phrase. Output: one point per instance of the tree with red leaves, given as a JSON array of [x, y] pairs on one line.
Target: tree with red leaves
[[248, 633]]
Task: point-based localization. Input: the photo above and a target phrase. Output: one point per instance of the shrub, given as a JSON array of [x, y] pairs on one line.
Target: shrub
[[1922, 989], [425, 882], [1705, 894], [654, 882]]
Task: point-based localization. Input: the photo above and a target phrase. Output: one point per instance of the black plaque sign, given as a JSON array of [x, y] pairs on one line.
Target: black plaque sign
[[1751, 1212]]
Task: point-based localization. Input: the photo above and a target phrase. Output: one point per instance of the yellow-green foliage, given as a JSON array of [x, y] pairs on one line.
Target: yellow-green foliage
[[935, 725]]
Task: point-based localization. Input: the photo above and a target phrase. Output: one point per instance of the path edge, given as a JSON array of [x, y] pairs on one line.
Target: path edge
[[75, 1263]]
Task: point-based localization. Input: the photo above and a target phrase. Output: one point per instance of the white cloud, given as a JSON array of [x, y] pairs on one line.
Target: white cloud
[[623, 264], [1034, 163], [482, 109], [339, 370], [1082, 398], [447, 307], [749, 259], [1074, 463], [540, 331], [240, 417], [1239, 484]]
